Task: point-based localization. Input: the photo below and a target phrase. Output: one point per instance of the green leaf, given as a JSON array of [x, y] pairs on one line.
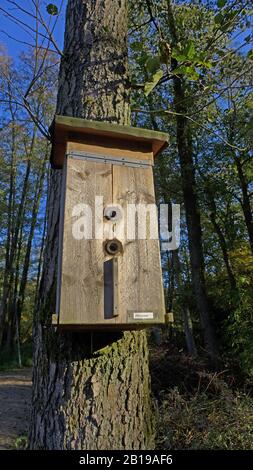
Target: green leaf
[[207, 64], [178, 55], [52, 9], [220, 52], [136, 46], [149, 86], [189, 71], [153, 63], [218, 18], [221, 3], [192, 73], [249, 104], [141, 59], [248, 38], [190, 50]]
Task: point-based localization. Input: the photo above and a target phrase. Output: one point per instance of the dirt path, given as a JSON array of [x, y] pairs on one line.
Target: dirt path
[[15, 398]]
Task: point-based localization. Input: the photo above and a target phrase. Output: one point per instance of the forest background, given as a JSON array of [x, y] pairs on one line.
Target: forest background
[[191, 76]]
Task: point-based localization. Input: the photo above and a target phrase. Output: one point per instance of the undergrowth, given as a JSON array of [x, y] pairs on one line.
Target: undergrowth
[[198, 408], [9, 359]]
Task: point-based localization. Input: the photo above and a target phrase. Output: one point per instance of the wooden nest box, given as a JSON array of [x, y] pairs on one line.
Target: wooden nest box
[[109, 270]]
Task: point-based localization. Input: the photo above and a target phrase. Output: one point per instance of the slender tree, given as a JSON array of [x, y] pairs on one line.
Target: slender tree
[[83, 397], [222, 240], [189, 186]]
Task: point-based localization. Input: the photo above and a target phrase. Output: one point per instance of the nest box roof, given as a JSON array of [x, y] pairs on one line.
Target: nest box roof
[[66, 128]]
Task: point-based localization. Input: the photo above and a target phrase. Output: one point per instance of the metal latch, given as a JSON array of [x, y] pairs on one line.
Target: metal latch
[[102, 158]]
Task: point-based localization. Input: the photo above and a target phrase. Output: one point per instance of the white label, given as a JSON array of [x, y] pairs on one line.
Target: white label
[[143, 315]]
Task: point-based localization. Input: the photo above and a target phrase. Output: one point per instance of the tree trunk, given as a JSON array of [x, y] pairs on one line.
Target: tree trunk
[[171, 283], [40, 262], [246, 206], [185, 152], [174, 267], [15, 223], [90, 391], [9, 238], [223, 245], [239, 161], [193, 220], [24, 277], [186, 315]]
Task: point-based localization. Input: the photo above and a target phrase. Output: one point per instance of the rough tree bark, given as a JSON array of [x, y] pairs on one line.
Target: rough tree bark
[[84, 399]]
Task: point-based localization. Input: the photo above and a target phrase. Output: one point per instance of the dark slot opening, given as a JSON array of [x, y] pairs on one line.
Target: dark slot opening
[[108, 289]]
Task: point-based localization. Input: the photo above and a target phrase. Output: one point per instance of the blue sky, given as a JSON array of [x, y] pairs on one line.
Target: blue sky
[[10, 29], [13, 33]]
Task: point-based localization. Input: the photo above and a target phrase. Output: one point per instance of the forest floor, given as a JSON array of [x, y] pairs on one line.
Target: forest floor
[[200, 408], [15, 399], [197, 408]]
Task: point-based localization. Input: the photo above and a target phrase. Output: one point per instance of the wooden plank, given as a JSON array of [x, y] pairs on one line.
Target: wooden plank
[[106, 128], [82, 282], [61, 232], [63, 127], [102, 327], [140, 275], [58, 151], [137, 277], [115, 148]]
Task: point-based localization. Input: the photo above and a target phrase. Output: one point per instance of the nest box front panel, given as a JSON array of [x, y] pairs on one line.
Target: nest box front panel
[[140, 277], [106, 278]]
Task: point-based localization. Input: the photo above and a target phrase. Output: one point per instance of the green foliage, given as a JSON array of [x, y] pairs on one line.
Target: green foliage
[[211, 54], [21, 442], [153, 63], [221, 3], [23, 169], [190, 56], [9, 360], [212, 58], [52, 9], [239, 330], [149, 86]]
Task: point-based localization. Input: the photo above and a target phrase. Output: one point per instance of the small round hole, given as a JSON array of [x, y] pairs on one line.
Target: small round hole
[[113, 213], [113, 247]]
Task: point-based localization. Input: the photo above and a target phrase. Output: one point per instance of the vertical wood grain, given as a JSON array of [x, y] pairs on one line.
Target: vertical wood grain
[[82, 260], [140, 274]]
